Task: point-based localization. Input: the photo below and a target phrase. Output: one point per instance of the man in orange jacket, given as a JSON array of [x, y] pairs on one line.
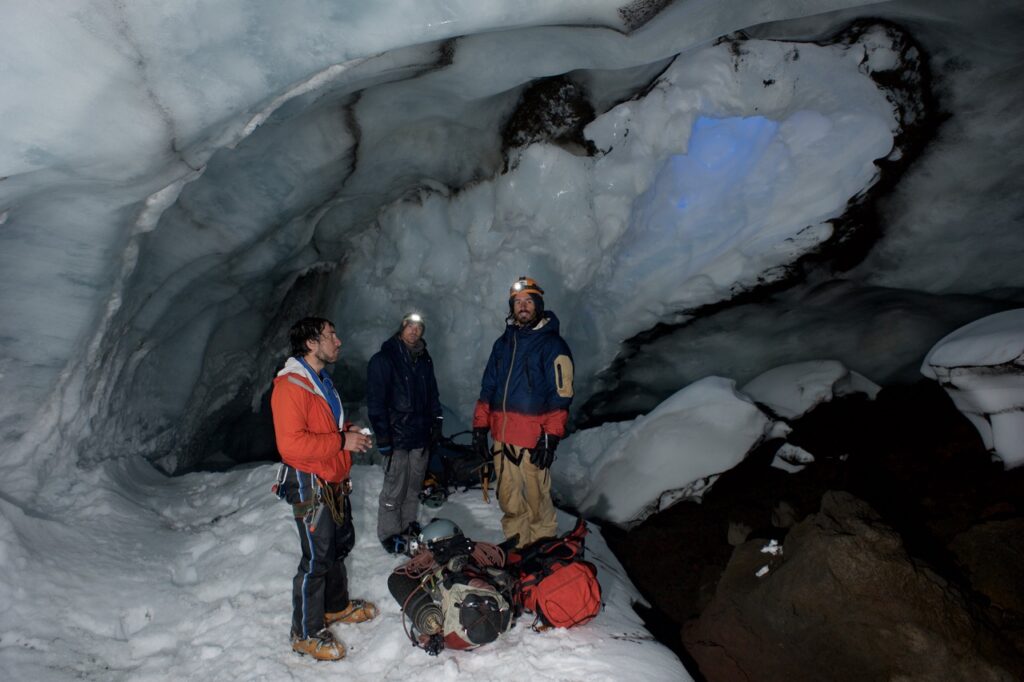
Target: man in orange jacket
[[316, 442]]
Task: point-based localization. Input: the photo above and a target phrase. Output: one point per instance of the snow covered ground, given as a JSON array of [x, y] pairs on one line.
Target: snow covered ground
[[138, 577]]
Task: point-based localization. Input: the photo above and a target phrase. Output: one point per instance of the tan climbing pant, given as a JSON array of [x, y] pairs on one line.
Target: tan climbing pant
[[524, 494]]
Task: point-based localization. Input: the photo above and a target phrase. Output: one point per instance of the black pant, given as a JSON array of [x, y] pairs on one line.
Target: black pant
[[321, 583]]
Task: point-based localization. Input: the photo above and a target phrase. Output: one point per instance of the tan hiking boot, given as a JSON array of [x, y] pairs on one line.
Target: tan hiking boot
[[322, 646], [357, 611]]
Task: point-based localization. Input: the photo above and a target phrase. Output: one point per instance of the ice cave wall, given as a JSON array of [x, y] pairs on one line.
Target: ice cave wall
[[179, 183]]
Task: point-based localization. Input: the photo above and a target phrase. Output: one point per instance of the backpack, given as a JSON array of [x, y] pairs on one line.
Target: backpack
[[555, 582], [453, 465], [463, 603], [475, 611]]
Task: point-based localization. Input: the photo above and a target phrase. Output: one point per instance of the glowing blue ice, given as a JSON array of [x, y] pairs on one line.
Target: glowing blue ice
[[695, 196]]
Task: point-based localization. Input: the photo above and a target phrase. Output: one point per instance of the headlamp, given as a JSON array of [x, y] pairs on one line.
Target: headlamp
[[411, 318]]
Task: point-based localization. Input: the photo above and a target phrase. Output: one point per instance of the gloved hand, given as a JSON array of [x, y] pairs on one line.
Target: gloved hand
[[436, 431], [543, 455], [480, 446]]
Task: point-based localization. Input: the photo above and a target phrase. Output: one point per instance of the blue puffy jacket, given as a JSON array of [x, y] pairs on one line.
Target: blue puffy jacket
[[401, 396], [527, 385]]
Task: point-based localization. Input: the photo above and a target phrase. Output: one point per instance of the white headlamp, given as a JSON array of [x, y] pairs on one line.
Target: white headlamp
[[413, 318]]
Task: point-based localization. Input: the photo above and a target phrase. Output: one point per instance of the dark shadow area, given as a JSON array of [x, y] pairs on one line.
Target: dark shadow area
[[666, 631], [909, 454]]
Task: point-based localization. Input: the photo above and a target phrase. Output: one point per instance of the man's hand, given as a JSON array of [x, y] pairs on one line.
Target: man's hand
[[354, 440], [543, 455], [480, 446]]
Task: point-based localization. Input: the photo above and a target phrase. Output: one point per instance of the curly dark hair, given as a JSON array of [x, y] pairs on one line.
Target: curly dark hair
[[306, 329]]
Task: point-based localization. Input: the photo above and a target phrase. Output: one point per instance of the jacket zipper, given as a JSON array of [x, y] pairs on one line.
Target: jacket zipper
[[508, 377]]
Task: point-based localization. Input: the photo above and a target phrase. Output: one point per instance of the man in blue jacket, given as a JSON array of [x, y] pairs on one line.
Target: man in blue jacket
[[405, 412], [524, 404]]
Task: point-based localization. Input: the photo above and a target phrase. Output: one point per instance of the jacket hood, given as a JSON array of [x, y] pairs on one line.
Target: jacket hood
[[293, 366], [295, 371]]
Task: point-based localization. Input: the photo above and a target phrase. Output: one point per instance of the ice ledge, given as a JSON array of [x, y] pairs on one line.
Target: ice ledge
[[981, 366]]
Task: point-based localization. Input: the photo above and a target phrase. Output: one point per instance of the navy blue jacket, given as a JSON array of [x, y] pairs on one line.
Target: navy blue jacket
[[527, 385], [401, 396]]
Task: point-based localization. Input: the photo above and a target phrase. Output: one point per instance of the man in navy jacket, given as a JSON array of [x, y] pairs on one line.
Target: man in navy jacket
[[405, 412], [524, 404]]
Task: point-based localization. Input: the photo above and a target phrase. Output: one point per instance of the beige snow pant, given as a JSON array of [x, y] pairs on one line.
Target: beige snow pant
[[524, 494]]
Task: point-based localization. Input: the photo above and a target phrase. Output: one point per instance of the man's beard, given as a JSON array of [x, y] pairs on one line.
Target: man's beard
[[530, 318], [325, 358]]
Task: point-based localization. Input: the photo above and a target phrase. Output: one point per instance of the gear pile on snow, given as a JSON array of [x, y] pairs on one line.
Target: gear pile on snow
[[459, 594]]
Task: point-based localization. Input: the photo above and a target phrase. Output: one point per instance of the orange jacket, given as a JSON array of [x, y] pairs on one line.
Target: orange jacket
[[304, 427]]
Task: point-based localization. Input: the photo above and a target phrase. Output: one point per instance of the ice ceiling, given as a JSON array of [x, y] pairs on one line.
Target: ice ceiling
[[180, 181]]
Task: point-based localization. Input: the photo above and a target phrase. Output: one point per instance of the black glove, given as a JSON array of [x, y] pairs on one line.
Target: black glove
[[432, 644], [436, 431], [457, 545], [480, 446], [544, 453]]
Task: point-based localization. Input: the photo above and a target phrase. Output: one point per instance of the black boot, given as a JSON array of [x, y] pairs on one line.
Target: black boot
[[395, 544]]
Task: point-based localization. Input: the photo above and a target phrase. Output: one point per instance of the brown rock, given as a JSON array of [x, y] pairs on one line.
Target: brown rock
[[783, 515], [738, 533], [992, 555], [843, 601]]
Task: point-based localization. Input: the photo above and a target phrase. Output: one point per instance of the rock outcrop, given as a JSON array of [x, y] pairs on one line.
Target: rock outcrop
[[842, 601]]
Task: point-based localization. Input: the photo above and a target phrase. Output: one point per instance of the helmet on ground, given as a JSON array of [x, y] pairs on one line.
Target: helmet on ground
[[437, 531]]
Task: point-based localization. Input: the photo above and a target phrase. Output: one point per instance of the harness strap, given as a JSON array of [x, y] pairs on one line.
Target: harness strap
[[501, 470], [510, 453], [302, 508]]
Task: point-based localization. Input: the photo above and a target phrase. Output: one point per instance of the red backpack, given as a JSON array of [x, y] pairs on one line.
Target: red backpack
[[555, 583]]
